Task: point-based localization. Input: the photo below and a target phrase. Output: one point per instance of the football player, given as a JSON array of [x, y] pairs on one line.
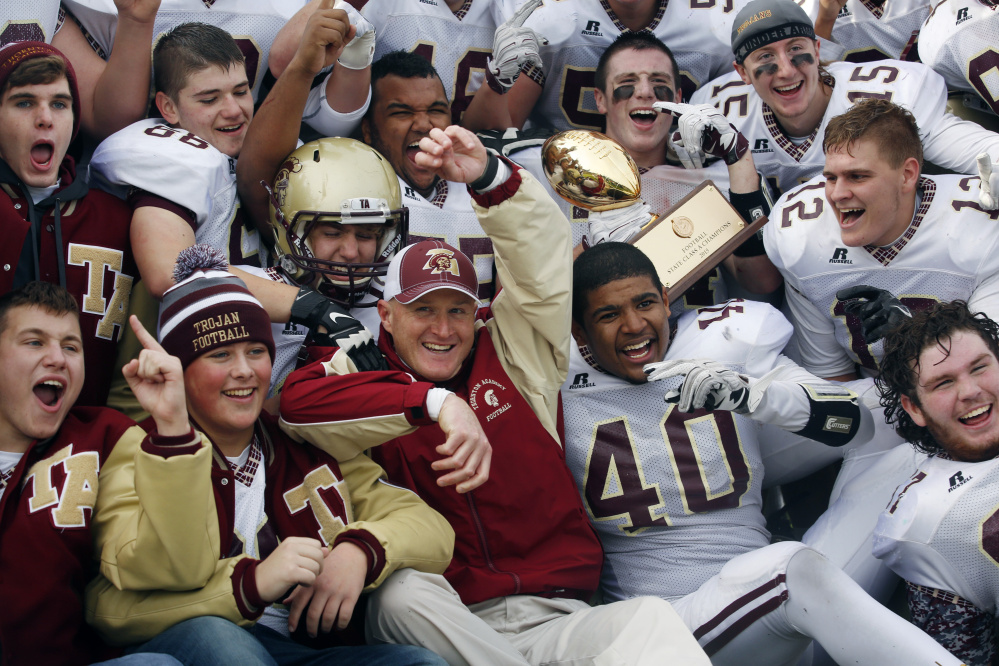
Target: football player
[[781, 99], [187, 193], [631, 77], [958, 40], [872, 218], [408, 101], [321, 235], [56, 228], [673, 488], [113, 92], [337, 220], [573, 34], [855, 31], [939, 383]]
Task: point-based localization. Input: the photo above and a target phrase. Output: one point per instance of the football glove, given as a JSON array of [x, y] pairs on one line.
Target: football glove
[[703, 131], [988, 191], [620, 224], [878, 310], [360, 51], [706, 385], [314, 310], [515, 47]]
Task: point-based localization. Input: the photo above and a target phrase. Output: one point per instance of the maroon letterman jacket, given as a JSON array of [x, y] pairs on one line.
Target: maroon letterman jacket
[[78, 238], [63, 496]]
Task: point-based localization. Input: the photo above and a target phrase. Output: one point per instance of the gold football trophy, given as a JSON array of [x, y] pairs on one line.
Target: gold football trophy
[[590, 170]]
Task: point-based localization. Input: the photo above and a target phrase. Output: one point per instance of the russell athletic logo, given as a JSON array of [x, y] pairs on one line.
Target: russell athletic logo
[[958, 480], [839, 256], [592, 29], [581, 381], [441, 261]]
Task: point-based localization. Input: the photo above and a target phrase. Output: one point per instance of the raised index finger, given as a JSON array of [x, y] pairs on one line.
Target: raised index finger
[[145, 338], [523, 12], [675, 108], [326, 4]]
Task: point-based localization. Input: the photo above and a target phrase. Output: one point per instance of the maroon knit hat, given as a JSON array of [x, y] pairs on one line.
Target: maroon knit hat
[[427, 266], [13, 54], [209, 307]]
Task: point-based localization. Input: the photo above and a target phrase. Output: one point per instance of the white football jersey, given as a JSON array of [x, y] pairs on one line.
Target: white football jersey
[[29, 21], [960, 40], [866, 30], [941, 529], [948, 252], [180, 167], [698, 32], [448, 216], [252, 23], [457, 43], [947, 140], [662, 486]]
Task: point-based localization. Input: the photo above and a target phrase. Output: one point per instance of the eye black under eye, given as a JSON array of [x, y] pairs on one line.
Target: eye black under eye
[[623, 93], [663, 93], [802, 59], [769, 69]]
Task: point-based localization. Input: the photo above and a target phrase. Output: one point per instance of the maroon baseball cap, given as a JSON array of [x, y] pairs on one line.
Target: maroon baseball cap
[[13, 54], [427, 266]]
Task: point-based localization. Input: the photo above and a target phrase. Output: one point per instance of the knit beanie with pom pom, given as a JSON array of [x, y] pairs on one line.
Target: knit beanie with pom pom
[[209, 307]]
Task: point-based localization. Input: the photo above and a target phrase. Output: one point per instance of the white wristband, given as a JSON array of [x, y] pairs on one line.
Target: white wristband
[[435, 400]]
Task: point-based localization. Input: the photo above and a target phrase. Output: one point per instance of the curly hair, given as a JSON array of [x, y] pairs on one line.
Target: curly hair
[[899, 376]]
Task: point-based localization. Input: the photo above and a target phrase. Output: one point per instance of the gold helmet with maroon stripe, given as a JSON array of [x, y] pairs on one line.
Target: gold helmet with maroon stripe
[[336, 181]]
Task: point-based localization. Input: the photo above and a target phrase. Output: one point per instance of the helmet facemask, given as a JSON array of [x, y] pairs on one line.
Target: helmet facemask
[[341, 182]]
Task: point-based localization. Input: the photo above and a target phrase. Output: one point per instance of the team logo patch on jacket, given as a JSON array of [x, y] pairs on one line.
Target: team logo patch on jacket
[[488, 394]]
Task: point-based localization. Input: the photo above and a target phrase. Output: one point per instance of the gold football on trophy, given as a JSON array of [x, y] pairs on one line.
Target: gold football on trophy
[[591, 170]]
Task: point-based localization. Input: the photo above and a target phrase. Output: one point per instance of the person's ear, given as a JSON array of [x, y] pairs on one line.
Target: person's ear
[[743, 74], [601, 101], [579, 334], [366, 130], [910, 406], [167, 107], [385, 314]]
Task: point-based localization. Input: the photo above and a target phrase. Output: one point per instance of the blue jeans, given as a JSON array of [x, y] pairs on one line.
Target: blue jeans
[[208, 641], [213, 641], [287, 652], [141, 659]]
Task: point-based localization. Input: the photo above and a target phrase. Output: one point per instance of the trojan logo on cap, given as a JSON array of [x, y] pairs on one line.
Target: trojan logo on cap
[[428, 266], [442, 261]]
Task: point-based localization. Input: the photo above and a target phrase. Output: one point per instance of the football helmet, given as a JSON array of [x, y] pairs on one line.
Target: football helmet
[[342, 181]]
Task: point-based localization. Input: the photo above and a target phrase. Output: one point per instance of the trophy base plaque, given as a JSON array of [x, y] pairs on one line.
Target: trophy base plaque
[[689, 240]]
